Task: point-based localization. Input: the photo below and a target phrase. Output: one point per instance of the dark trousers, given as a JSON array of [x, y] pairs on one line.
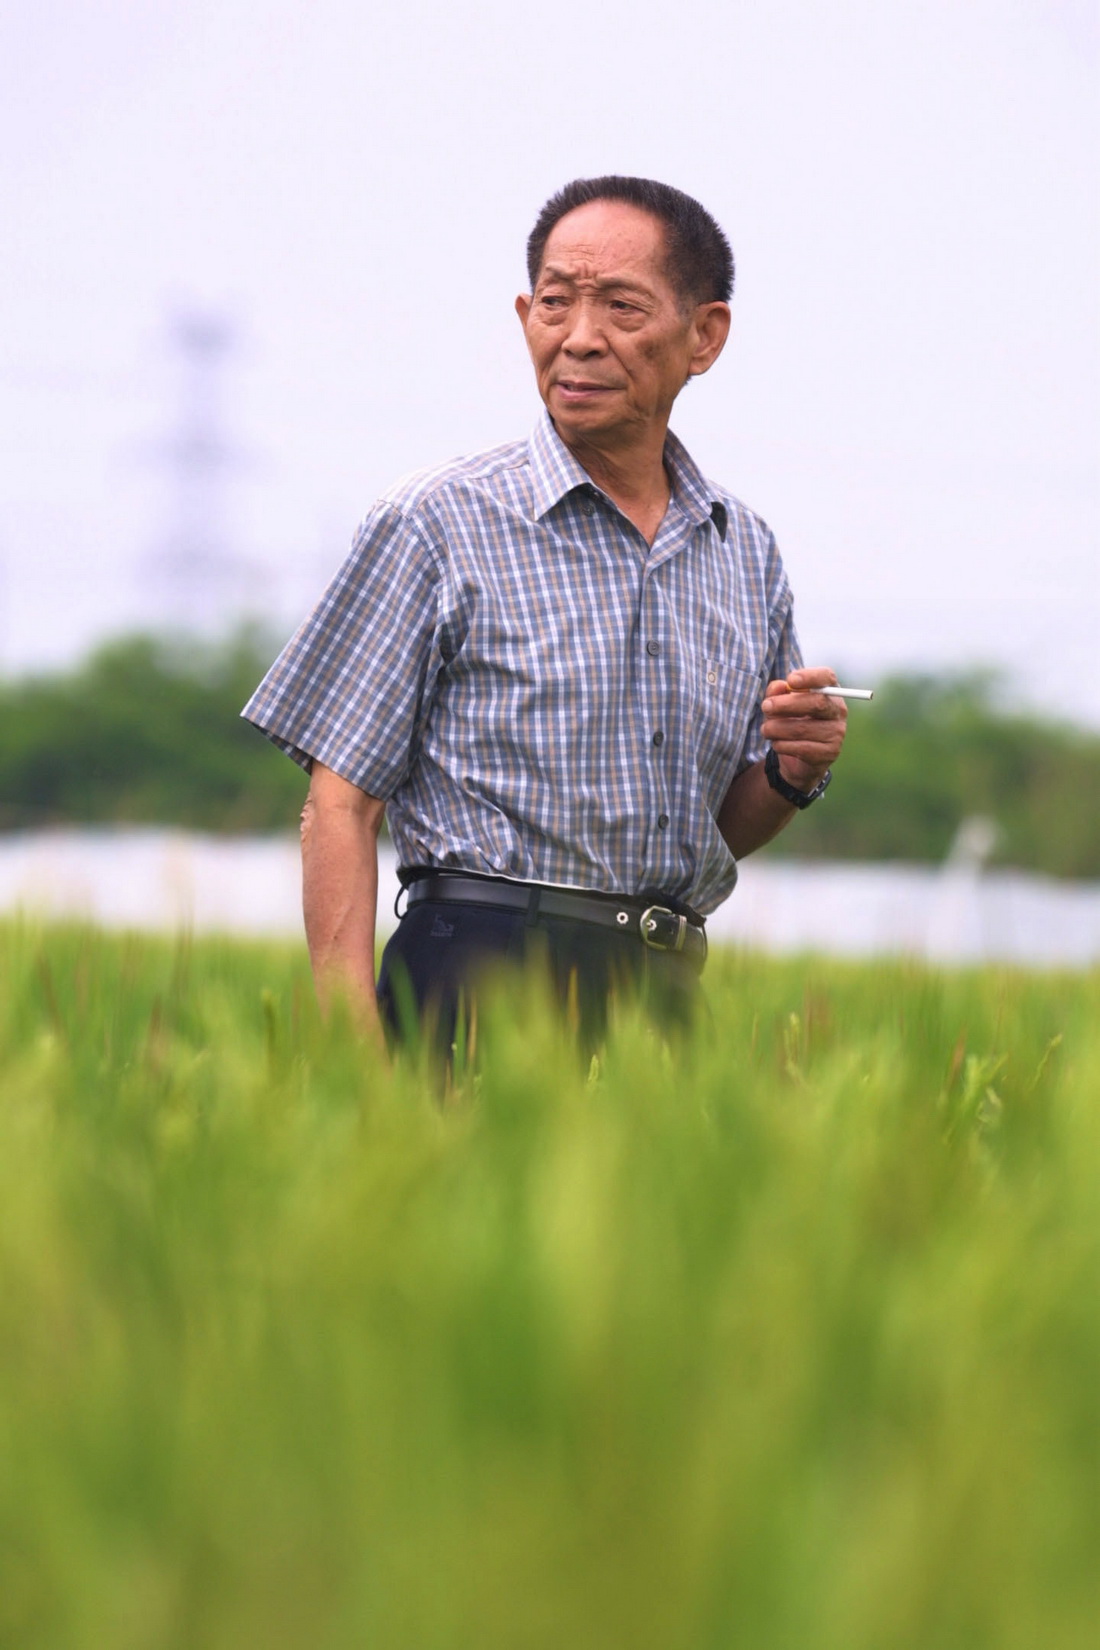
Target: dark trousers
[[440, 954]]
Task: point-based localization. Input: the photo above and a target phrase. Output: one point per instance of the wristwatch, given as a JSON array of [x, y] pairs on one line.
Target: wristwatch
[[800, 799]]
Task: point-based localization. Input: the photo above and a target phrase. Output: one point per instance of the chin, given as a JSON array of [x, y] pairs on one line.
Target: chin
[[582, 420]]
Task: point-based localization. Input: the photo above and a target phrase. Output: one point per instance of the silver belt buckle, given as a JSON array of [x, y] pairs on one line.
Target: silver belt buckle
[[648, 923]]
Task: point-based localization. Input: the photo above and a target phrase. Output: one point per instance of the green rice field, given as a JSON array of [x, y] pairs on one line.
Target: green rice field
[[790, 1339]]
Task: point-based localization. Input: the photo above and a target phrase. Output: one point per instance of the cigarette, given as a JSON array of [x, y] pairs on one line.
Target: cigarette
[[843, 693]]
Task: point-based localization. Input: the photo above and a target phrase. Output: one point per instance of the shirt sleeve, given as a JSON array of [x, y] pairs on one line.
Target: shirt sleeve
[[784, 655], [353, 688]]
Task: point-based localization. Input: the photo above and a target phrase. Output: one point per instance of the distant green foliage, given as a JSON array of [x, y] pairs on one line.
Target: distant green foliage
[[789, 1341], [929, 752], [147, 731]]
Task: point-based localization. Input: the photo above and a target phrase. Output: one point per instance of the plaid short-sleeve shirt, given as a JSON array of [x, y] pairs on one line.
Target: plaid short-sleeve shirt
[[535, 691]]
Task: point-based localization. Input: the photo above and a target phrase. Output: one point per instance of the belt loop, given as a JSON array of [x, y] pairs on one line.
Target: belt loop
[[533, 897]]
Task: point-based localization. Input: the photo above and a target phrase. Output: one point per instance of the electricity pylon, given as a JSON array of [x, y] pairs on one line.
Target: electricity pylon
[[200, 580]]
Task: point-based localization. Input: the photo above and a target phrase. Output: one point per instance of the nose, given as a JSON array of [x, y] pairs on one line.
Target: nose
[[585, 336]]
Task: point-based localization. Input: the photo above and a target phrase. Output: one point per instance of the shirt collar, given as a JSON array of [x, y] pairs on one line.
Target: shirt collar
[[555, 473]]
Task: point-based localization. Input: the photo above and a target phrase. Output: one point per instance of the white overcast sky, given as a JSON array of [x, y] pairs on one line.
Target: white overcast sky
[[910, 395]]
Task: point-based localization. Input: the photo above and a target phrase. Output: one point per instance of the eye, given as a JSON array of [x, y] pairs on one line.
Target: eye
[[622, 307]]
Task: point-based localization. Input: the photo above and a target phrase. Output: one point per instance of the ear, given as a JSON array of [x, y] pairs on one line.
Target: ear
[[711, 325], [523, 308]]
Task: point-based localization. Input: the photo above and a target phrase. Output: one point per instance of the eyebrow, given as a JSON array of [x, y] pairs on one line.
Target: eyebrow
[[612, 283]]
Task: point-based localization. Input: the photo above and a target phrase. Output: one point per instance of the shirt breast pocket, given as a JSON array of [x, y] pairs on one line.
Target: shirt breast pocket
[[726, 699]]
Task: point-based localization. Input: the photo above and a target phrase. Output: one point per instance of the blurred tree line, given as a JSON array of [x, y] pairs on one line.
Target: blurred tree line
[[148, 731], [933, 751]]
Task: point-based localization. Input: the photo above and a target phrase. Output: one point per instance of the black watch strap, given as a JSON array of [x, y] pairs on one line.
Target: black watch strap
[[800, 799]]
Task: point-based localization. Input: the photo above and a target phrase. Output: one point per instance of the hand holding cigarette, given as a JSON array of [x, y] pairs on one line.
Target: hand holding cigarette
[[805, 717]]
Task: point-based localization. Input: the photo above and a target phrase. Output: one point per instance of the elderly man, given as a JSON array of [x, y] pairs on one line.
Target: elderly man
[[565, 669]]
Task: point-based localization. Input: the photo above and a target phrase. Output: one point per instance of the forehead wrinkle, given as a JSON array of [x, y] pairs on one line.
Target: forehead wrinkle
[[602, 283]]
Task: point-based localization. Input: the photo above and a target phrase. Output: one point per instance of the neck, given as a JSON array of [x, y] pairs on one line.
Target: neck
[[633, 476]]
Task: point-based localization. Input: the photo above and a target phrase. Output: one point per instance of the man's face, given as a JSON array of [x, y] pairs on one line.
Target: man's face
[[611, 342]]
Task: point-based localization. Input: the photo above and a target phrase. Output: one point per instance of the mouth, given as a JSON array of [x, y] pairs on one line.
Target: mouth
[[580, 389]]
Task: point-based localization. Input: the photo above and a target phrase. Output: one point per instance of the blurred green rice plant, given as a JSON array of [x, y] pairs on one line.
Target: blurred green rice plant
[[791, 1338]]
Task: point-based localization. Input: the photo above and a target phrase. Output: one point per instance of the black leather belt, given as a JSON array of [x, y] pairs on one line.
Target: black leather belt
[[656, 926]]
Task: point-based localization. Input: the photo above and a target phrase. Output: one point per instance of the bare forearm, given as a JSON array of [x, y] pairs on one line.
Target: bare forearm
[[752, 812], [340, 889], [339, 898]]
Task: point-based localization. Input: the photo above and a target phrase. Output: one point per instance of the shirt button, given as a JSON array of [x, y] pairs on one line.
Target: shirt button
[[662, 822], [589, 509], [658, 737], [653, 648], [712, 676]]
